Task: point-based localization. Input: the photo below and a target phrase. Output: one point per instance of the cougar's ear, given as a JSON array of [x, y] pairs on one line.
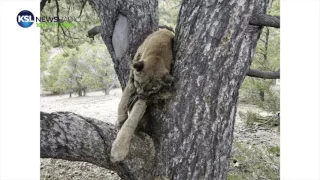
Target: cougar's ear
[[167, 79], [138, 65]]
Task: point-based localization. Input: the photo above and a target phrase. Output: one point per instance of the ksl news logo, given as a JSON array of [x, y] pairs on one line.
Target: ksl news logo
[[25, 19]]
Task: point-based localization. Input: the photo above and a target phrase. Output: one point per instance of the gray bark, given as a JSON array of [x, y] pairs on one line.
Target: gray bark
[[69, 136], [94, 31], [214, 48], [265, 20], [264, 74], [193, 131]]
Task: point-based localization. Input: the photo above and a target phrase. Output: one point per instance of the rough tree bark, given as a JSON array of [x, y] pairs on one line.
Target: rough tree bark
[[264, 74], [193, 132], [190, 135], [69, 136], [265, 20]]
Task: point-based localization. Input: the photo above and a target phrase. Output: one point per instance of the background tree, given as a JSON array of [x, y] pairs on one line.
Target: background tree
[[87, 67], [168, 12], [186, 139]]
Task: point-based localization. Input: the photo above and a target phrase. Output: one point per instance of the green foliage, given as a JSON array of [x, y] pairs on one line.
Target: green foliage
[[254, 162], [87, 67], [272, 103], [253, 119], [275, 10], [250, 118], [70, 37], [43, 60], [50, 76], [168, 12], [274, 150], [70, 61]]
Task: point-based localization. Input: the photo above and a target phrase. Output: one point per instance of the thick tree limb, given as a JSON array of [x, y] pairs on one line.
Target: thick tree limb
[[94, 31], [69, 136], [265, 20], [264, 74]]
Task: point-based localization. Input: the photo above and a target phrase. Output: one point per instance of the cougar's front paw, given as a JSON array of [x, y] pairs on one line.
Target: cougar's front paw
[[119, 151]]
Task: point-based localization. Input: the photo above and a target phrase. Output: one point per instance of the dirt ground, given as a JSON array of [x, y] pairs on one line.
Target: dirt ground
[[101, 107]]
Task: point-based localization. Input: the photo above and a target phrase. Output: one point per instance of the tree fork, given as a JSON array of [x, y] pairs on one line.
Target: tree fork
[[193, 131]]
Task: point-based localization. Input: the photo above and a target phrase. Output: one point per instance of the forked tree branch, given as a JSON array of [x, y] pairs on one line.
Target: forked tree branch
[[265, 20], [264, 74], [65, 135]]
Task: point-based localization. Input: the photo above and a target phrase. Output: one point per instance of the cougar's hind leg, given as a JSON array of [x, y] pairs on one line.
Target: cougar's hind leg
[[123, 107]]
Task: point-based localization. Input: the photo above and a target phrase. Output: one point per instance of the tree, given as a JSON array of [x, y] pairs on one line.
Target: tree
[[190, 135], [102, 74], [50, 76], [87, 67]]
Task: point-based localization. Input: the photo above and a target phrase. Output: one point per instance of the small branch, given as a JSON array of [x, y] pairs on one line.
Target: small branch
[[266, 44], [82, 7], [166, 27], [176, 6], [94, 31], [265, 20], [59, 24], [262, 40], [260, 53], [65, 34], [43, 4], [68, 136], [69, 36], [264, 74], [58, 10], [69, 9]]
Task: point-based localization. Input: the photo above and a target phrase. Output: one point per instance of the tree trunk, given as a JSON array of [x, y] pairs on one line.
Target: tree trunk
[[192, 132], [214, 47], [79, 92], [108, 88], [261, 94], [84, 91]]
